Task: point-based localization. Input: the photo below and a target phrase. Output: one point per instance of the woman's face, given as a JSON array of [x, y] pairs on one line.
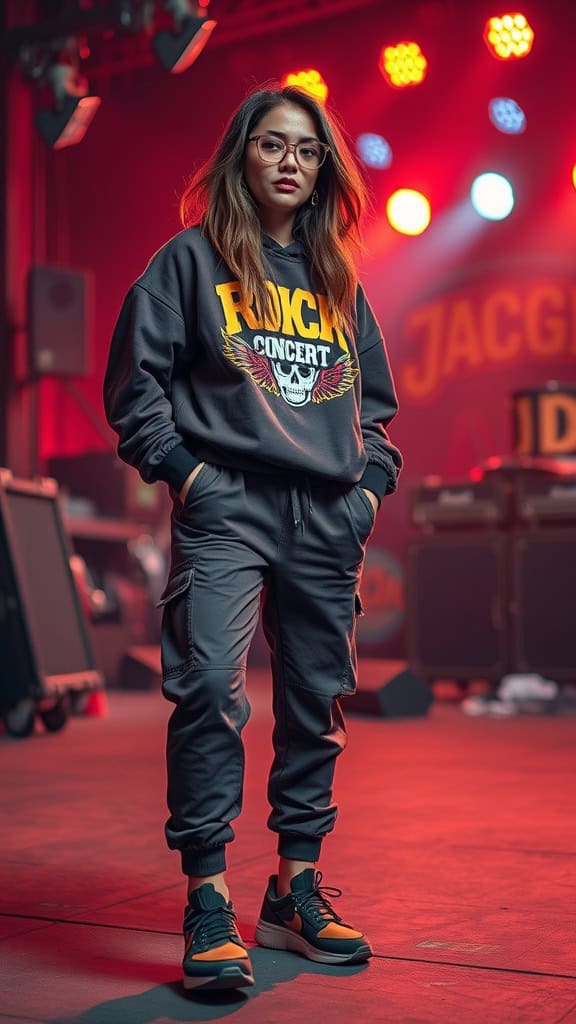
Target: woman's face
[[283, 186]]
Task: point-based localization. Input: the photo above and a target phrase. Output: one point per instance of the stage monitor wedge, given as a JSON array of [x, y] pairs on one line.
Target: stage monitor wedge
[[389, 689]]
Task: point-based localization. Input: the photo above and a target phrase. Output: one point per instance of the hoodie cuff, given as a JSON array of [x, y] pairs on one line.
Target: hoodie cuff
[[177, 466], [376, 479]]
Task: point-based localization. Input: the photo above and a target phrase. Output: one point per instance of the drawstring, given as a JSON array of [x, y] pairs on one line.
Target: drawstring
[[297, 496]]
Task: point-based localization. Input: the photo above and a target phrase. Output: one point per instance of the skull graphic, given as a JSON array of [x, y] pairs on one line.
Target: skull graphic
[[295, 381]]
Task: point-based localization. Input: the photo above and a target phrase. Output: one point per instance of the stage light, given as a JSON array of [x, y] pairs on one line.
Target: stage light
[[178, 50], [492, 196], [373, 150], [574, 175], [509, 36], [309, 81], [67, 123], [403, 65], [408, 211], [507, 116]]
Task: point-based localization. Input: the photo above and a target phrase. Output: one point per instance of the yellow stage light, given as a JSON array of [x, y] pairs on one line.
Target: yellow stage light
[[509, 36], [574, 175], [403, 64], [309, 81], [408, 211]]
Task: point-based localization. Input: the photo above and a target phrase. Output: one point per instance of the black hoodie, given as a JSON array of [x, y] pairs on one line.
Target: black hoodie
[[193, 376]]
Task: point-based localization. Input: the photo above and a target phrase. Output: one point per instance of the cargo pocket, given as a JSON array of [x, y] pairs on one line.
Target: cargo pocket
[[176, 639], [358, 611], [350, 677]]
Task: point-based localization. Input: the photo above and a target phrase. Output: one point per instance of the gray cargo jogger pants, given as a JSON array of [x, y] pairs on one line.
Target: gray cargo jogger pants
[[242, 542]]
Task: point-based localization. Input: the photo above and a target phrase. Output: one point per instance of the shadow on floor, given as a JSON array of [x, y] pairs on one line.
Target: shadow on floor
[[169, 1002]]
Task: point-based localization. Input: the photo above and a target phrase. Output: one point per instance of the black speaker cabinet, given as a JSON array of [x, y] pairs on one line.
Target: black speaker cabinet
[[457, 601], [389, 689], [44, 645], [59, 321], [544, 605]]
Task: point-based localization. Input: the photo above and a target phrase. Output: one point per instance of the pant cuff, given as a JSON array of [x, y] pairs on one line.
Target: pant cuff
[[210, 861], [298, 847]]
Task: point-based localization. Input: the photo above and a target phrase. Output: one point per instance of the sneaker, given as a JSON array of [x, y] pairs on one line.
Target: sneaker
[[215, 956], [528, 686], [304, 922], [488, 704]]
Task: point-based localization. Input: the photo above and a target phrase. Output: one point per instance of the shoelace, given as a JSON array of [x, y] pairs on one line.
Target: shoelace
[[212, 927], [315, 900]]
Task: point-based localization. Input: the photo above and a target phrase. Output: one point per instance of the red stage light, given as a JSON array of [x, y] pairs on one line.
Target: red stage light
[[309, 81], [403, 64], [509, 36]]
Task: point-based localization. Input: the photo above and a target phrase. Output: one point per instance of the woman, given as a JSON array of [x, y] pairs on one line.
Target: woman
[[247, 372]]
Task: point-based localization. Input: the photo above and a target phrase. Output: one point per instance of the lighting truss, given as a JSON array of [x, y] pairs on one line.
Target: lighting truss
[[119, 30]]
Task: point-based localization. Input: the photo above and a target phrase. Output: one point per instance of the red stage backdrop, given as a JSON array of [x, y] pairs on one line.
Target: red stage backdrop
[[472, 310]]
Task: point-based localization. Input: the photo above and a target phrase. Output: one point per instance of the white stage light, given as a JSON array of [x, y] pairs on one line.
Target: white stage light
[[492, 196]]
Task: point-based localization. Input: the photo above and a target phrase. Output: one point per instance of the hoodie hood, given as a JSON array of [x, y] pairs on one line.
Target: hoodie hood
[[273, 249]]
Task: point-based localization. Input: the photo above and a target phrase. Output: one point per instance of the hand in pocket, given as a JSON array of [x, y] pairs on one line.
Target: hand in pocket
[[189, 481]]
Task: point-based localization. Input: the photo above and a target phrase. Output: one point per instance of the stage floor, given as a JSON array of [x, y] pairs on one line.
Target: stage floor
[[455, 847]]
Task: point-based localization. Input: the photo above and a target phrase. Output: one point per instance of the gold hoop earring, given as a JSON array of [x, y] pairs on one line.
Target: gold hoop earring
[[314, 198]]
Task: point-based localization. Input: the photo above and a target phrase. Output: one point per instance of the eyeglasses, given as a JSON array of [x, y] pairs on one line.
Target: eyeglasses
[[309, 155]]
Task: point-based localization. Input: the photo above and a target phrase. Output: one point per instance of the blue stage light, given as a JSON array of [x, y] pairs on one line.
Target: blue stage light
[[507, 116], [374, 151]]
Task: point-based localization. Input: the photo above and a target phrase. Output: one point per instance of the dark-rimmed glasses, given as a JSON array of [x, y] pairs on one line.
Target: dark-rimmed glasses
[[309, 155]]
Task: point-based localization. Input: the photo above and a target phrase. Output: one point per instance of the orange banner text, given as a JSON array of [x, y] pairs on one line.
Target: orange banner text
[[457, 335]]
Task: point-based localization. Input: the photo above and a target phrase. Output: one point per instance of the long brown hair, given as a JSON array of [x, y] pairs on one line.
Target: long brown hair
[[219, 197]]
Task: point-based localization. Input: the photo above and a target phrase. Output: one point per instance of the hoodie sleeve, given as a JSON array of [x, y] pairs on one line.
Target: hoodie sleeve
[[379, 404], [148, 337]]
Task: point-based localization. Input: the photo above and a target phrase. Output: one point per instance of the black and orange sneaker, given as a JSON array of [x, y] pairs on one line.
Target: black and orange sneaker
[[304, 922], [215, 956]]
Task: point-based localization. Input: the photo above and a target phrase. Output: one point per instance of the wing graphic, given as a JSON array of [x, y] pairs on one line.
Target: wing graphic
[[255, 365], [335, 380]]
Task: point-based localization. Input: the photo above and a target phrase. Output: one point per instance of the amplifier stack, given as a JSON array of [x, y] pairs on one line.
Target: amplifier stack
[[492, 574]]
